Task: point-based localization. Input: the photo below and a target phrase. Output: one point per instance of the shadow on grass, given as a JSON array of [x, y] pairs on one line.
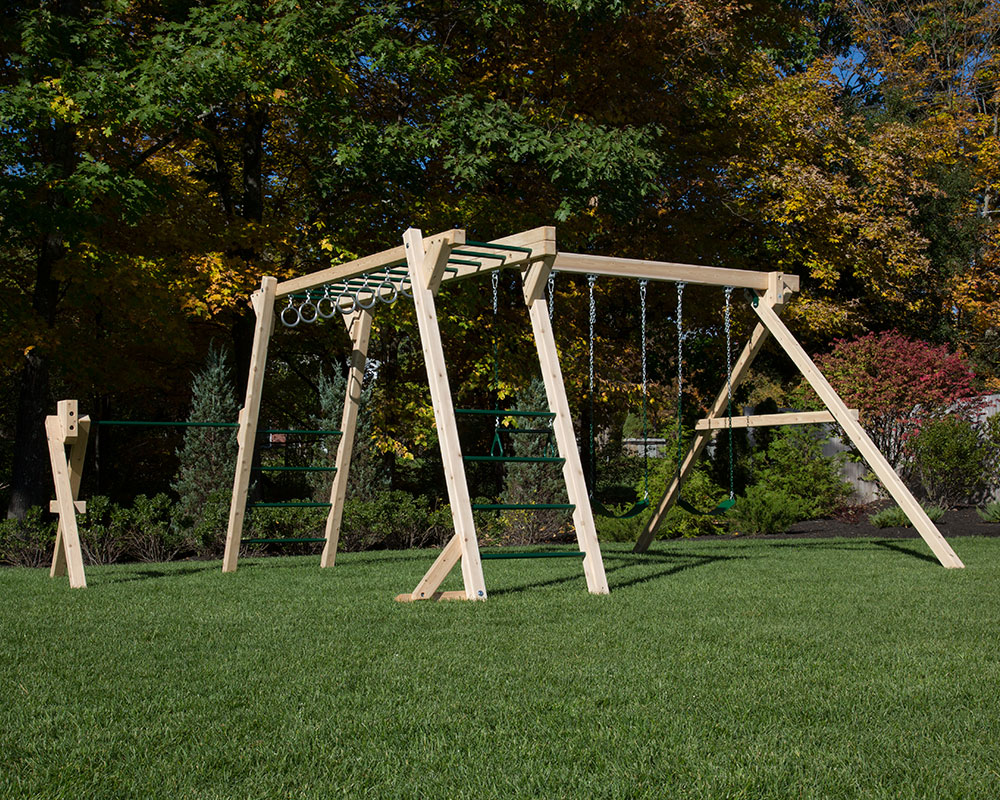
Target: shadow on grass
[[862, 544], [668, 563], [152, 573]]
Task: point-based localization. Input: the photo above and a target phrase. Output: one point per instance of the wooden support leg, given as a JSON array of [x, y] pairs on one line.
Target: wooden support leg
[[444, 417], [263, 306], [576, 487], [68, 554], [897, 489], [359, 326], [77, 455], [443, 564], [701, 439]]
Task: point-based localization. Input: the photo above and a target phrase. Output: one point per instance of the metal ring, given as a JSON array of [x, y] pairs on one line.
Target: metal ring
[[295, 311], [330, 302], [343, 306], [392, 291], [371, 301], [305, 317], [402, 288]]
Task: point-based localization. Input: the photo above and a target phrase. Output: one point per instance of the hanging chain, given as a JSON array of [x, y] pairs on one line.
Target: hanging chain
[[680, 370], [552, 293], [496, 370], [591, 280], [729, 385], [645, 385]]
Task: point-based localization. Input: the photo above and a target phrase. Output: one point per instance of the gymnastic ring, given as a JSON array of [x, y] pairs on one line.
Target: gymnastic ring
[[284, 319], [387, 287], [315, 311]]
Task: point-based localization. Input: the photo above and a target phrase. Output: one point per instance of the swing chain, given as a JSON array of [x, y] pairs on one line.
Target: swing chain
[[591, 280], [552, 293], [680, 370], [729, 385], [645, 390]]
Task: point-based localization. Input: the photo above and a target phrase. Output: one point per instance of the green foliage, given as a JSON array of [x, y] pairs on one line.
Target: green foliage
[[990, 512], [764, 510], [206, 458], [948, 460], [324, 449], [393, 519], [794, 465], [895, 517], [27, 542]]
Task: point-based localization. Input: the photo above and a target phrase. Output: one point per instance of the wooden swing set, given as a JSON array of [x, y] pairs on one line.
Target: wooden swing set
[[418, 268]]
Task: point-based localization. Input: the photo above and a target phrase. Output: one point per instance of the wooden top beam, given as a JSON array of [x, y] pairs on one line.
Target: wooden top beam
[[342, 272], [668, 271]]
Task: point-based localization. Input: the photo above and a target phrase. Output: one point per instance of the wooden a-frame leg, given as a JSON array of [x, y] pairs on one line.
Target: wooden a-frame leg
[[444, 418], [857, 434], [359, 327], [263, 306], [68, 543], [701, 439], [77, 455], [562, 425]]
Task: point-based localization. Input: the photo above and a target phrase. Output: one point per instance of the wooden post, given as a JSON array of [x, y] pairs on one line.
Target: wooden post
[[66, 475], [701, 439], [444, 418], [897, 489], [562, 425], [263, 306], [359, 327]]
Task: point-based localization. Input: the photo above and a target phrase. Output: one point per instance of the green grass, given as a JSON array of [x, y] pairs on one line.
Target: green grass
[[753, 669]]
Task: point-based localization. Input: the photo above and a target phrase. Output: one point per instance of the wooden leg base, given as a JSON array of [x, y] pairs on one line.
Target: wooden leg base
[[409, 598]]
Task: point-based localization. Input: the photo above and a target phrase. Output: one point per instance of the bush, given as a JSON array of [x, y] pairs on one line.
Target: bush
[[150, 534], [794, 465], [394, 519], [895, 517], [763, 510], [27, 542], [990, 513], [948, 460], [102, 532]]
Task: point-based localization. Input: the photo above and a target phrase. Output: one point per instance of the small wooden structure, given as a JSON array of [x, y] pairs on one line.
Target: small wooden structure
[[423, 264], [67, 429]]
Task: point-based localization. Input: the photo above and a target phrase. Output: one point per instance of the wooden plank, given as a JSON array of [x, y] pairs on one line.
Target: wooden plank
[[443, 564], [405, 598], [701, 439], [69, 541], [444, 418], [359, 266], [535, 278], [359, 327], [767, 420], [857, 434], [669, 271], [263, 306], [67, 412], [436, 254], [79, 505], [562, 425]]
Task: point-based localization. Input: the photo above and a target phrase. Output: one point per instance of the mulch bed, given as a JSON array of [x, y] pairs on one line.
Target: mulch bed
[[853, 522]]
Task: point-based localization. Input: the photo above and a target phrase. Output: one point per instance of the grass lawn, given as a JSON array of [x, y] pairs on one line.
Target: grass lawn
[[753, 669]]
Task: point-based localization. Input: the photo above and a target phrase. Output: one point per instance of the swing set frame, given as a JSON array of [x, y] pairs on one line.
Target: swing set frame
[[428, 264]]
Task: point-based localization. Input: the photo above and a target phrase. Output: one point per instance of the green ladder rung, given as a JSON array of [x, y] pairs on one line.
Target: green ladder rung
[[486, 412], [282, 541], [518, 459], [145, 424], [288, 505], [535, 554], [299, 431], [522, 506], [296, 469]]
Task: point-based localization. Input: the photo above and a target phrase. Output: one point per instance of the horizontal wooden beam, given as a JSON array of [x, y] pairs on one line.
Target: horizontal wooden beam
[[342, 272], [668, 271], [767, 420]]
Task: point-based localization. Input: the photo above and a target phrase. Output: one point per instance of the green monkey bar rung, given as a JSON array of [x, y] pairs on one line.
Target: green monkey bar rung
[[288, 505], [518, 459], [487, 412], [523, 506], [534, 554], [478, 255], [463, 262], [294, 431], [511, 247], [146, 424], [302, 540], [295, 469]]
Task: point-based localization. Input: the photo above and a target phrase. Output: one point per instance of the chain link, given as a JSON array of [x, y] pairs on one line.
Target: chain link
[[680, 370], [645, 385], [591, 280], [552, 293]]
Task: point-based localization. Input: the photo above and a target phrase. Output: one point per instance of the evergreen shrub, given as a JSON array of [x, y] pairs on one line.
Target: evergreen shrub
[[895, 517]]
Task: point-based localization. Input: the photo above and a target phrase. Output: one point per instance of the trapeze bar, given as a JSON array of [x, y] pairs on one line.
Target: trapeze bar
[[582, 264], [143, 424], [486, 412]]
